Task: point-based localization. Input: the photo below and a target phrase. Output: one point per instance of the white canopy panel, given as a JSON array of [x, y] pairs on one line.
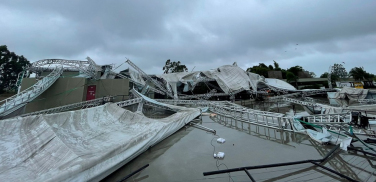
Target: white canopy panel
[[83, 145], [279, 84]]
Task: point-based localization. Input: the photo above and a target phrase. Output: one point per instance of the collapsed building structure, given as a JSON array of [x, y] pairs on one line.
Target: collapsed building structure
[[80, 141]]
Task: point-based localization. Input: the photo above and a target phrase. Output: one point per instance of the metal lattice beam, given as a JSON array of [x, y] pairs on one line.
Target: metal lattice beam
[[15, 102], [147, 77], [140, 84], [85, 104], [89, 67]]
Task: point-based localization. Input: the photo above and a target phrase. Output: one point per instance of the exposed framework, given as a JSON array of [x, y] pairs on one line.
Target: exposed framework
[[192, 79], [89, 67], [85, 104], [199, 78], [96, 102], [231, 112], [15, 102], [140, 84], [147, 77]]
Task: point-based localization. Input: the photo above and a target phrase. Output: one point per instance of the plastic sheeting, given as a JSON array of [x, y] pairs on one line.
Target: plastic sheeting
[[279, 84], [351, 93], [326, 137], [83, 145], [230, 78], [136, 77]]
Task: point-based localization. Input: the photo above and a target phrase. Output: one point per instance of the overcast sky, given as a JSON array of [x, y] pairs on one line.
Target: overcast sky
[[203, 34]]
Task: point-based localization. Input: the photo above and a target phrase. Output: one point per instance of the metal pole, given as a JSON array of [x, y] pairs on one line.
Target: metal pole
[[133, 173], [364, 152], [249, 175], [335, 172], [270, 165], [257, 167]]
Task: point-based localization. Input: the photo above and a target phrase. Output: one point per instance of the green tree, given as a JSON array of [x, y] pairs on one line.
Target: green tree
[[339, 71], [358, 73], [276, 66], [261, 69], [313, 75], [173, 67], [324, 75], [10, 66], [291, 77], [270, 67], [334, 77], [295, 70]]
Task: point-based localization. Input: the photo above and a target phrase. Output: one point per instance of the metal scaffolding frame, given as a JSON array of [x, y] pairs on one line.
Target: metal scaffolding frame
[[15, 102], [147, 77], [89, 67]]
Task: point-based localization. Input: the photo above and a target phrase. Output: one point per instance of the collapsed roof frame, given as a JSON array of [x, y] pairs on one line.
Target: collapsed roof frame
[[199, 77], [89, 67]]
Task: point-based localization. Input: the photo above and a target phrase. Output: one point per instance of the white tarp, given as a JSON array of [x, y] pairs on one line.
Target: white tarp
[[326, 137], [279, 84], [136, 77], [230, 78], [351, 93], [83, 145]]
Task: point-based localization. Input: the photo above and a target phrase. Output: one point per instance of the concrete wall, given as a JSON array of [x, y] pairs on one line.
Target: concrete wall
[[5, 95], [106, 87], [275, 74], [72, 90], [304, 74], [65, 74], [64, 91]]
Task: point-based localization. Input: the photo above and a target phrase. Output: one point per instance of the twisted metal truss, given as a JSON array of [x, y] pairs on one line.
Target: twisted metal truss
[[206, 96], [149, 102], [148, 78], [200, 78], [304, 103], [15, 102], [140, 100], [85, 104], [231, 112], [367, 100], [140, 84], [89, 67]]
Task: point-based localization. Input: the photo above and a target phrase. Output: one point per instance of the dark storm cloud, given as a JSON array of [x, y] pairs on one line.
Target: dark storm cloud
[[205, 34]]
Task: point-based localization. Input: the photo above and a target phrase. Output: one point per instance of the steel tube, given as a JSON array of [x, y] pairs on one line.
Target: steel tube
[[335, 172], [271, 165], [133, 173], [249, 175]]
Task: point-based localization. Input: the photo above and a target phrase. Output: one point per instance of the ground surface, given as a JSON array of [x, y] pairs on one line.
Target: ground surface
[[188, 153]]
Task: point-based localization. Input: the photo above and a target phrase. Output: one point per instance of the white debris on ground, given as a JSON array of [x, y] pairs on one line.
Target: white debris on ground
[[80, 145]]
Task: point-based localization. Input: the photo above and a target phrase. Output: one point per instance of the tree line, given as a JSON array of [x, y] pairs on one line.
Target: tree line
[[358, 73], [11, 65], [291, 74]]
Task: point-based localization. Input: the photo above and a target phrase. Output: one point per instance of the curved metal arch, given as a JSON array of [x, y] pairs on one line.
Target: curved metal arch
[[72, 63], [88, 67]]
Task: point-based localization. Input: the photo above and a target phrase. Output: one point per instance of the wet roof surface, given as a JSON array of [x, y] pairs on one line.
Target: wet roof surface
[[188, 153]]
